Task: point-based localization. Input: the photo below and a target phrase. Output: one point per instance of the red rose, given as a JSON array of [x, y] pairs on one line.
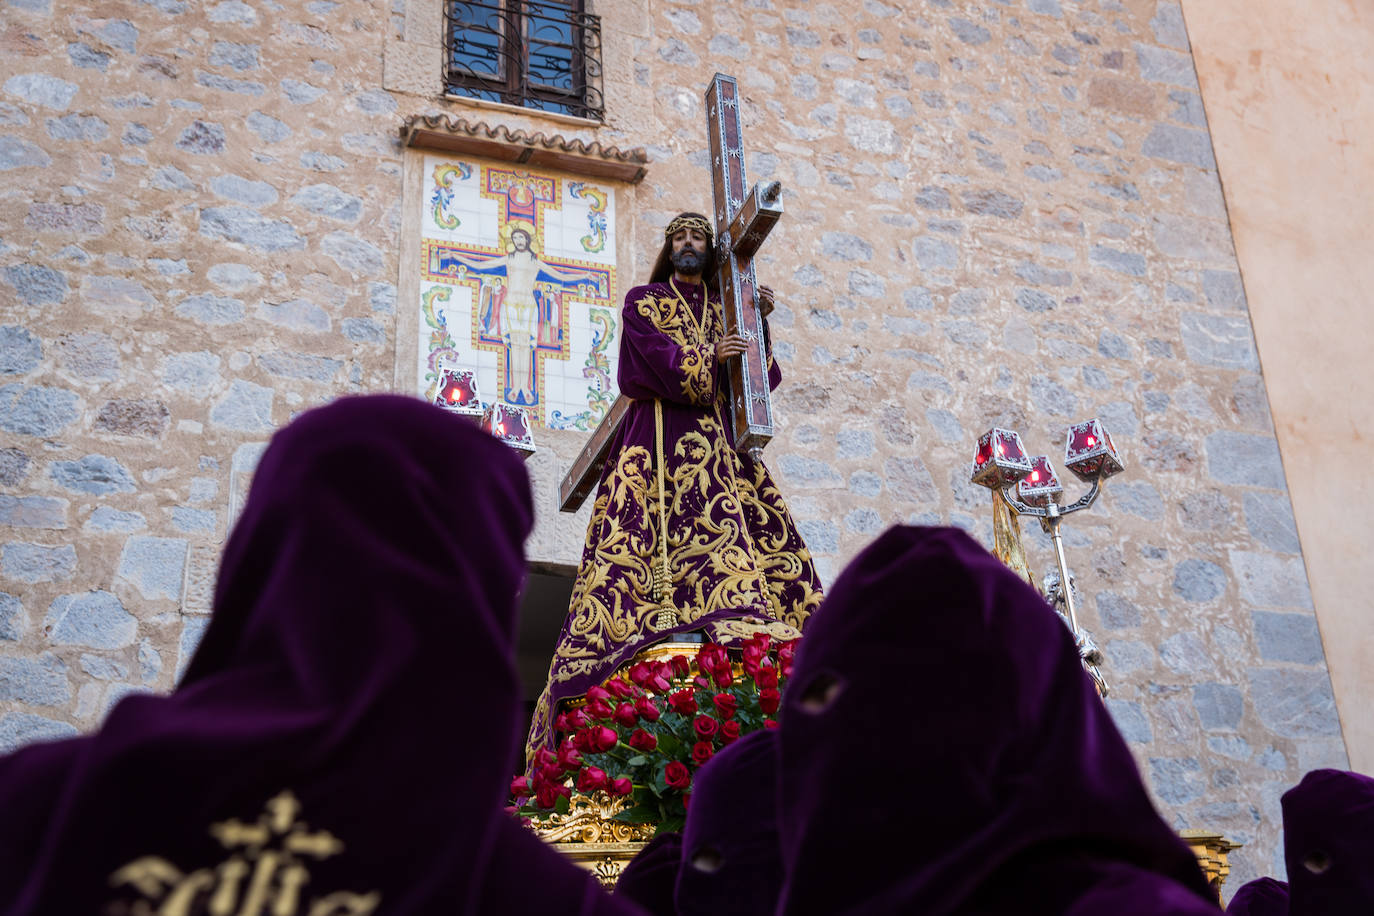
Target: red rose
[[601, 739], [520, 787], [591, 779], [582, 740], [577, 719], [561, 723], [684, 701], [543, 757], [705, 727], [701, 752], [547, 794], [663, 676], [676, 775], [729, 732], [754, 652], [622, 786], [766, 676], [568, 757], [643, 741], [625, 715], [770, 723], [680, 665], [686, 799], [786, 652], [769, 699], [597, 693], [599, 709], [619, 689], [725, 705], [646, 709], [641, 673], [714, 662]]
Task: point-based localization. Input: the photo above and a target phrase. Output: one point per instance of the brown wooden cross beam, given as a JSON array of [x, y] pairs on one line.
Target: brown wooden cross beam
[[743, 221]]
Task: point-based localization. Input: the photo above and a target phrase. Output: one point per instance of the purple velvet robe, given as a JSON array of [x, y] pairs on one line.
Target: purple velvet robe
[[737, 562], [942, 751], [323, 746]]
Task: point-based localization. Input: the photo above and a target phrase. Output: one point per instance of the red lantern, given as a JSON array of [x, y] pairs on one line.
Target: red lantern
[[511, 424], [1041, 485], [457, 392], [1089, 453], [1000, 460]]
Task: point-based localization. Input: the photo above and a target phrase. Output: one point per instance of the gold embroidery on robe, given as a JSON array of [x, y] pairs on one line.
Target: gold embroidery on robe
[[264, 873]]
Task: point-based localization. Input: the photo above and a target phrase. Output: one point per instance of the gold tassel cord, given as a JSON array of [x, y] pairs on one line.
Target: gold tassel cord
[[666, 617]]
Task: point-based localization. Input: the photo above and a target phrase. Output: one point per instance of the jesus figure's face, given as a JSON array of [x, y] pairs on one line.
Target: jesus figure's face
[[689, 251], [520, 240]]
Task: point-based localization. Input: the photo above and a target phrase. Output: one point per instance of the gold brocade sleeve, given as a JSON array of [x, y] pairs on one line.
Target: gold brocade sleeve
[[675, 348]]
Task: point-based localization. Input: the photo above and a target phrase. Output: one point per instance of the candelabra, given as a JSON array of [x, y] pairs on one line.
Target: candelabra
[[1027, 486]]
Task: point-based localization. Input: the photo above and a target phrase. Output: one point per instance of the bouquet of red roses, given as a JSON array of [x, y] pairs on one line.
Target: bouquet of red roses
[[642, 737]]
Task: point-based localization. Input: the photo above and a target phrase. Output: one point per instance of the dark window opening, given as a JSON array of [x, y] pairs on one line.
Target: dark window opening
[[543, 606], [539, 54]]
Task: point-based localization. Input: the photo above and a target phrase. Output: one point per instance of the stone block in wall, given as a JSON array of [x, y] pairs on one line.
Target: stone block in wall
[[18, 729], [413, 68]]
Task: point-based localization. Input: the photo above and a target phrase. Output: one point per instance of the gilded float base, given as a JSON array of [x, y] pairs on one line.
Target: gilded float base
[[1212, 851], [590, 836]]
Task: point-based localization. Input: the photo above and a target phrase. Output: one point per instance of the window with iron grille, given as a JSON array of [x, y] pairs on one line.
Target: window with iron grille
[[540, 54]]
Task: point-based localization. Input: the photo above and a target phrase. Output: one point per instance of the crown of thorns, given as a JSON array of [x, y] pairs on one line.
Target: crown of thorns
[[688, 222]]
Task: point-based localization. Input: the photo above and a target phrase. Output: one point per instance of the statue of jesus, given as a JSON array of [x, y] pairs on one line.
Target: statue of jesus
[[686, 534]]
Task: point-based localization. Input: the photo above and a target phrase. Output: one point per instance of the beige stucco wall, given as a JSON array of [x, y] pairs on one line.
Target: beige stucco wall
[[1291, 111]]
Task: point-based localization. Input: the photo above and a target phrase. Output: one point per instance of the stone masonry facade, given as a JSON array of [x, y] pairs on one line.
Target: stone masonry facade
[[998, 213]]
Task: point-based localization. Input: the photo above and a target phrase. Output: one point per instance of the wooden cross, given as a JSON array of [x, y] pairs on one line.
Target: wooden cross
[[743, 221]]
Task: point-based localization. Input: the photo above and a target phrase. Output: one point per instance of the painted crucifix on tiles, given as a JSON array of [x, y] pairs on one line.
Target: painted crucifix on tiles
[[517, 284]]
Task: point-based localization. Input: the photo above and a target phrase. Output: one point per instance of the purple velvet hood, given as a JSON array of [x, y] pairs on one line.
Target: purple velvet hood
[[730, 858], [942, 751], [345, 731], [726, 858], [1328, 843], [1261, 897]]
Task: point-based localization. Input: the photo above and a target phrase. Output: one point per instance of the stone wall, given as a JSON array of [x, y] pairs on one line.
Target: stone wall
[[999, 213]]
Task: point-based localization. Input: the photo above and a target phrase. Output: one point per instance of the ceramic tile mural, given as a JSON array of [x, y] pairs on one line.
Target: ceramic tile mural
[[517, 284]]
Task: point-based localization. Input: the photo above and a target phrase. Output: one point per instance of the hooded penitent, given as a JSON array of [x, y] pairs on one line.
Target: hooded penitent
[[1328, 843], [651, 876], [942, 751], [730, 860], [342, 738], [1261, 897], [726, 859]]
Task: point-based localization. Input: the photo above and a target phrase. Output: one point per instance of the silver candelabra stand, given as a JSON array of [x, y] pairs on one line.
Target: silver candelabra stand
[[1030, 487]]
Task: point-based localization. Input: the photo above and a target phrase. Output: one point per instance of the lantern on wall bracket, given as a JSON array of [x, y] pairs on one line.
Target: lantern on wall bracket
[[1000, 461], [1089, 453], [457, 392], [512, 425], [1041, 486]]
